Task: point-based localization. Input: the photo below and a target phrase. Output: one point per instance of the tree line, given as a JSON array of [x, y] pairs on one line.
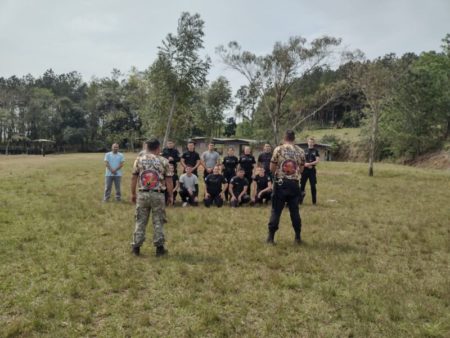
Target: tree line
[[401, 102]]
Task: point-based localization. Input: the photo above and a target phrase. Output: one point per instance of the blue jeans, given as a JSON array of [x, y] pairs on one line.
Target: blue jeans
[[108, 187]]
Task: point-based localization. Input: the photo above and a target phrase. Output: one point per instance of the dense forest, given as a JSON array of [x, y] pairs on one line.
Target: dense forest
[[402, 103]]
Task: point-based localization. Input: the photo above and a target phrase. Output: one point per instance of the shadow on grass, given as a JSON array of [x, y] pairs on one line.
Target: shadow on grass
[[194, 258], [333, 246], [184, 258]]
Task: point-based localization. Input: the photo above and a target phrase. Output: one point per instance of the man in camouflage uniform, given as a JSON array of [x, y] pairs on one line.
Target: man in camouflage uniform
[[287, 163], [152, 177]]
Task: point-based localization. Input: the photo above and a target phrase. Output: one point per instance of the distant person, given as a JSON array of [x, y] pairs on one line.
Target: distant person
[[172, 154], [114, 162], [287, 164], [215, 186], [209, 160], [264, 159], [176, 185], [247, 162], [191, 158], [262, 189], [152, 178], [312, 158], [189, 188], [238, 188], [230, 163]]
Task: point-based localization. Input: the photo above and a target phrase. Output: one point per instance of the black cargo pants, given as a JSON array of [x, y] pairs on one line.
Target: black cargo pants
[[285, 192]]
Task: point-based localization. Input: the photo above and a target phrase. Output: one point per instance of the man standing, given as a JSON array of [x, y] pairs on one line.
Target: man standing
[[229, 163], [312, 158], [215, 186], [189, 188], [264, 158], [114, 162], [210, 159], [247, 162], [238, 188], [190, 158], [172, 154], [152, 177], [287, 164]]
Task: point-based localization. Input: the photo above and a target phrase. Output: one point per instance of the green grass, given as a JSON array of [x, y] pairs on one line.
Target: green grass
[[346, 134], [375, 262]]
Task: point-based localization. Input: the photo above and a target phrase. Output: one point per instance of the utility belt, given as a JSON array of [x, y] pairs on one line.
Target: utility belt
[[152, 190], [280, 181]]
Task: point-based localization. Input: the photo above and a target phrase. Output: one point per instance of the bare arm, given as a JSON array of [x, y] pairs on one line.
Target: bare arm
[[273, 167], [169, 186], [134, 180], [244, 191], [183, 164]]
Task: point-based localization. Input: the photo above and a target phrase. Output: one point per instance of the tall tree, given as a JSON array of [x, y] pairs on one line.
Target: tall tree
[[180, 64], [375, 80], [273, 75]]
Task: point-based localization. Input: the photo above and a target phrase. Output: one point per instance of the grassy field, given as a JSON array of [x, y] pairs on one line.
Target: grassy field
[[375, 262]]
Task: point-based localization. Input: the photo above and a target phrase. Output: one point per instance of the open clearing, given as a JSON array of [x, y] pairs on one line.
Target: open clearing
[[375, 262]]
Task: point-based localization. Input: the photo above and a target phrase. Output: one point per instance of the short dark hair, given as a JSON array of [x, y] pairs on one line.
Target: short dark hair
[[190, 141], [289, 135], [152, 144]]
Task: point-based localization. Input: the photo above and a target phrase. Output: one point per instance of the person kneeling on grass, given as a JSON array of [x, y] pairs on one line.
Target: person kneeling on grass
[[262, 190], [215, 186], [238, 189], [189, 188]]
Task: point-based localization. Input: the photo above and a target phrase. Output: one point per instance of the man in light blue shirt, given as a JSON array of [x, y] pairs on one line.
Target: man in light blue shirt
[[114, 162]]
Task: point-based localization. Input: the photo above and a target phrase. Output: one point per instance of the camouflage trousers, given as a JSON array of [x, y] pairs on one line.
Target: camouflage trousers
[[149, 202]]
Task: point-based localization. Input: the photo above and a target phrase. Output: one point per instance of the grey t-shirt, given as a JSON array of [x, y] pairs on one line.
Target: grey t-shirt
[[210, 158], [189, 182]]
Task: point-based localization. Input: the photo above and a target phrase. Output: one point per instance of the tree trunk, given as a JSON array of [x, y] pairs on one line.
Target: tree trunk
[[169, 121], [7, 147], [373, 140]]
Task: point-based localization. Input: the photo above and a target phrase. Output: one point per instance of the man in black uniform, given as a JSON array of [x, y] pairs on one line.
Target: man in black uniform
[[287, 164], [190, 158], [309, 173], [262, 187], [247, 162], [238, 189], [172, 154], [230, 163], [215, 186], [264, 158]]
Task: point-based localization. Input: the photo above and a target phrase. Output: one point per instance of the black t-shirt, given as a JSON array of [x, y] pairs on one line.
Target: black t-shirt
[[262, 182], [265, 158], [190, 158], [247, 162], [171, 153], [230, 163], [238, 185], [214, 183], [311, 154]]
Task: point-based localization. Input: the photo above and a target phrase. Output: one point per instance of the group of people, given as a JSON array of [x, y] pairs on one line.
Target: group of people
[[231, 179], [279, 176]]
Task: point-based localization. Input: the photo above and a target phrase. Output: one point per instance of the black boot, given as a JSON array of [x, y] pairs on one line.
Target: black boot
[[136, 250], [271, 237], [161, 251], [298, 239]]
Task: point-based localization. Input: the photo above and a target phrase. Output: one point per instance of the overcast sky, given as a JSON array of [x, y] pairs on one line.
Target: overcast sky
[[95, 36]]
